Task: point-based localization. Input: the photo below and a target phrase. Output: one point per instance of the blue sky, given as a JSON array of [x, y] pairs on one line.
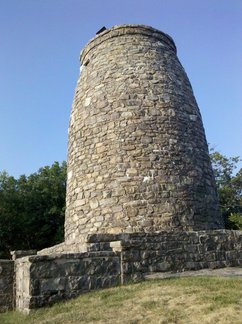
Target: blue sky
[[39, 65]]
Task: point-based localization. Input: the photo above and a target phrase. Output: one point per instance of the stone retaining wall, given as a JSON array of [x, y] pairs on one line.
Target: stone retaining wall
[[146, 253], [44, 280], [6, 285], [142, 253]]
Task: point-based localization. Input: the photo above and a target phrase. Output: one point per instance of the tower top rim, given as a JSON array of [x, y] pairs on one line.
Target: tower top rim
[[126, 29]]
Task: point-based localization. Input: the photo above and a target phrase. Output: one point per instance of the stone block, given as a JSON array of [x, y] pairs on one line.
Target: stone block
[[43, 280], [6, 285]]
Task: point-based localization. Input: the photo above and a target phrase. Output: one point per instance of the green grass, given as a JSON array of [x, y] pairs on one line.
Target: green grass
[[181, 300]]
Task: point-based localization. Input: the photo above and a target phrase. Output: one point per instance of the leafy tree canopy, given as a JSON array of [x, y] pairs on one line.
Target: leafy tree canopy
[[32, 209], [229, 185]]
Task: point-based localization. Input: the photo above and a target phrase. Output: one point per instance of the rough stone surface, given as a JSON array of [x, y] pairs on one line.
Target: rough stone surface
[[44, 280], [176, 252], [137, 156], [141, 196], [6, 285], [21, 253]]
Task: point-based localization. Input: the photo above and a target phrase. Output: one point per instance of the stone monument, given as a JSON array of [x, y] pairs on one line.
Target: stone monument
[[141, 195], [137, 157]]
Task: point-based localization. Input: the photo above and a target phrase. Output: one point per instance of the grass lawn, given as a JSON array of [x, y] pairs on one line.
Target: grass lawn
[[181, 300]]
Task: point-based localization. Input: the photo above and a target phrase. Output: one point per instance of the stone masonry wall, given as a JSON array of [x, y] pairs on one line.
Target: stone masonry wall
[[143, 253], [6, 285], [180, 252], [137, 154], [44, 280]]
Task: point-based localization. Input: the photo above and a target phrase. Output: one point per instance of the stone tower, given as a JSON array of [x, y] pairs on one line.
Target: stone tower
[[140, 193], [137, 157]]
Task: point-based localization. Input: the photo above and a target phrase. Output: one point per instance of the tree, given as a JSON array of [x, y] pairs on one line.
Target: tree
[[229, 186], [10, 226], [32, 209]]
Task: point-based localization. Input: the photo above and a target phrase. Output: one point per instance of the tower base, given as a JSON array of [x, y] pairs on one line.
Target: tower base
[[110, 260]]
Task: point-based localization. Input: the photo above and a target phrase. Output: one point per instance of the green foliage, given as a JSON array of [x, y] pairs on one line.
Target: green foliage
[[229, 185], [32, 209], [235, 221]]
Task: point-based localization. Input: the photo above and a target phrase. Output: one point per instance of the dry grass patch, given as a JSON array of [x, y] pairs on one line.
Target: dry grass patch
[[182, 300]]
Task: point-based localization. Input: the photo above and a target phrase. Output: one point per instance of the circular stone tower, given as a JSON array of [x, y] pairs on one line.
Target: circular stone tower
[[137, 156]]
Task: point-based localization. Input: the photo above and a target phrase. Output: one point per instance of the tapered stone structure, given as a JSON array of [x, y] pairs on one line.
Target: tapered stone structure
[[141, 196], [137, 157]]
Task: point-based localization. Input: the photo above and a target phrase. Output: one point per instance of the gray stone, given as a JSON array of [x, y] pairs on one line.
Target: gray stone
[[7, 301], [136, 112], [141, 194]]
